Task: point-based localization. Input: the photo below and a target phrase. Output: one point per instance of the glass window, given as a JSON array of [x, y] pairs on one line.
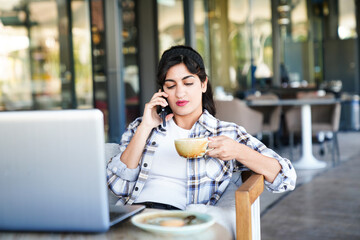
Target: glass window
[[261, 42], [170, 23], [347, 20], [36, 59], [99, 60], [250, 38], [15, 77], [235, 39], [201, 31], [220, 51], [81, 38], [44, 53], [299, 20], [131, 70], [29, 56], [301, 52]]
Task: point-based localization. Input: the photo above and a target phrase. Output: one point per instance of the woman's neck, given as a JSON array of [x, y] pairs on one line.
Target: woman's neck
[[187, 121]]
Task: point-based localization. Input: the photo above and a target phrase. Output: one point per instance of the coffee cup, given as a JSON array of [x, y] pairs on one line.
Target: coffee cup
[[191, 147]]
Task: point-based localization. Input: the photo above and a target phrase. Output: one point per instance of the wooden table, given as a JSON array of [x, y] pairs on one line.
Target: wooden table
[[307, 160], [122, 230]]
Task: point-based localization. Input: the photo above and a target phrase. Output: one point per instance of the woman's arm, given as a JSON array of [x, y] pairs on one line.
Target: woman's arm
[[151, 119], [132, 153], [267, 166], [226, 148], [123, 169]]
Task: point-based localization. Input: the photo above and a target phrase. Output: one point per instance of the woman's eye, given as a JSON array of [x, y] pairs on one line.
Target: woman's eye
[[188, 84], [170, 87]]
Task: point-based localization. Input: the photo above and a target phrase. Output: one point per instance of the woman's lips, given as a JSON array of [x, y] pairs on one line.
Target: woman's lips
[[181, 103]]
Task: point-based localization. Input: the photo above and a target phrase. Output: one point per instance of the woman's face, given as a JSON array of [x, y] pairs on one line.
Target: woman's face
[[185, 91]]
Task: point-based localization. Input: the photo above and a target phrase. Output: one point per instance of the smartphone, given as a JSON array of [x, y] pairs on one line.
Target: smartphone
[[167, 109], [163, 111]]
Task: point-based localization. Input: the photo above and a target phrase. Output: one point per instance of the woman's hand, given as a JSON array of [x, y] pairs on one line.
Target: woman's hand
[[223, 148], [151, 118]]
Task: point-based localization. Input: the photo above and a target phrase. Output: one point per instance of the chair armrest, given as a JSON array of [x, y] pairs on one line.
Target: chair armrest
[[245, 196]]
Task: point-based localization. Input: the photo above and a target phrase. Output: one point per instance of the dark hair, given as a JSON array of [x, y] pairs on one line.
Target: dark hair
[[194, 63]]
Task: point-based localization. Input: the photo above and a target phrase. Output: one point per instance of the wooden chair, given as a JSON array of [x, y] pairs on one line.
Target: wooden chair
[[248, 207]]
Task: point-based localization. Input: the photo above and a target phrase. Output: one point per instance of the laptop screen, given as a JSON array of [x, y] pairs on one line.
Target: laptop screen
[[52, 171]]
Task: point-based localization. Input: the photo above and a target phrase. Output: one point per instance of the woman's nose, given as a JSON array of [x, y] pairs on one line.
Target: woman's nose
[[180, 91]]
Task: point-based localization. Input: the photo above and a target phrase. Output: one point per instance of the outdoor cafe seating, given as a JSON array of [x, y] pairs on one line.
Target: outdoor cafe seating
[[238, 112], [325, 119], [271, 115]]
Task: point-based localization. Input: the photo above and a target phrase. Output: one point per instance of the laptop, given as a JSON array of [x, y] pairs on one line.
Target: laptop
[[53, 172]]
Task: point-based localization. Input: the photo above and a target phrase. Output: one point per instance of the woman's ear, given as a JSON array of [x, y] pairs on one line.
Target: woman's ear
[[204, 85]]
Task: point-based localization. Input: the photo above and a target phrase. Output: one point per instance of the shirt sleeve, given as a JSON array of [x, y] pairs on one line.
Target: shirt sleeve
[[286, 178], [116, 166], [120, 178]]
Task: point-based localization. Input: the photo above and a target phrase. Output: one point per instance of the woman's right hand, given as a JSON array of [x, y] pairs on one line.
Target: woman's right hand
[[151, 118]]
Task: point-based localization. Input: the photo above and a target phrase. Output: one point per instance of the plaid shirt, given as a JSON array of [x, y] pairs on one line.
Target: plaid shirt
[[207, 178]]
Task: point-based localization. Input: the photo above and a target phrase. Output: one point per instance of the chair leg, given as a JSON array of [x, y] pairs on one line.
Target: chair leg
[[333, 152], [271, 140], [336, 145], [277, 139], [321, 140], [291, 141]]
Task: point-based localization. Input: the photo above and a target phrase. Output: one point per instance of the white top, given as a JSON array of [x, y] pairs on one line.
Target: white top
[[168, 174]]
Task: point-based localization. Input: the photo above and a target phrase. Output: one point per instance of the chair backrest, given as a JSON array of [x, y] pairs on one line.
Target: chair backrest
[[247, 199], [238, 112], [272, 114], [323, 117]]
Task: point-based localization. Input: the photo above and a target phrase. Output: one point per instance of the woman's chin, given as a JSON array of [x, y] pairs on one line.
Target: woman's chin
[[186, 112]]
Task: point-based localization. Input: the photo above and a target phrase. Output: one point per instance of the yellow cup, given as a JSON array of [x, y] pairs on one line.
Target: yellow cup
[[191, 147]]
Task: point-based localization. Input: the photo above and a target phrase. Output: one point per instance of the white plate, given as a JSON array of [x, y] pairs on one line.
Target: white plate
[[150, 221]]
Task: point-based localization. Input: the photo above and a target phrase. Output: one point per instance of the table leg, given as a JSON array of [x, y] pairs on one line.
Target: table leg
[[307, 160]]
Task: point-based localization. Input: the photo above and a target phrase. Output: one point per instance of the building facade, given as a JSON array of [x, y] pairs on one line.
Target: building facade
[[75, 54]]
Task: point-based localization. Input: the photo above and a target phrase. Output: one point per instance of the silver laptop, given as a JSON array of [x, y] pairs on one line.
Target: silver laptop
[[52, 172]]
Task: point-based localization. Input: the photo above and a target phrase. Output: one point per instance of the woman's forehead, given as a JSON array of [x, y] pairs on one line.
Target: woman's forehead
[[178, 70]]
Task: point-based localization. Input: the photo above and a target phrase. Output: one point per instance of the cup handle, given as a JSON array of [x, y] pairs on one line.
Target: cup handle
[[208, 149]]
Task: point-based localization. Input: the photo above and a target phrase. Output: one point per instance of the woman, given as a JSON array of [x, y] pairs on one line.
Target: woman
[[148, 169]]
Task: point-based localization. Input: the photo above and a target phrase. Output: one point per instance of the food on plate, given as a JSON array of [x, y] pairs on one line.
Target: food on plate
[[172, 223]]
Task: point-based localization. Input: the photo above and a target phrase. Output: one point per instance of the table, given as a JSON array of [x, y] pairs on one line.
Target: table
[[122, 230], [307, 159]]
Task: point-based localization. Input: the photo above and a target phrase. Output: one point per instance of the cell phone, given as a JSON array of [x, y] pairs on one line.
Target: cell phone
[[163, 112], [167, 108], [163, 116]]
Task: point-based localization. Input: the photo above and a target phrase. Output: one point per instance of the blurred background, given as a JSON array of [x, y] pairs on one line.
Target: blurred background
[[82, 54], [72, 54]]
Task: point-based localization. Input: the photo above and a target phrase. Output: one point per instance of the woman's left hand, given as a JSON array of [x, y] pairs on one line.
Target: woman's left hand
[[223, 148]]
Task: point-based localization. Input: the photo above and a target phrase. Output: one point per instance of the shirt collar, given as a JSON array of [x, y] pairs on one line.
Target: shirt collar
[[208, 121]]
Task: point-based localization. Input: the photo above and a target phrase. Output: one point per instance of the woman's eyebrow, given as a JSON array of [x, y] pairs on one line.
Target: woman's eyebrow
[[189, 76], [169, 80], [184, 78]]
